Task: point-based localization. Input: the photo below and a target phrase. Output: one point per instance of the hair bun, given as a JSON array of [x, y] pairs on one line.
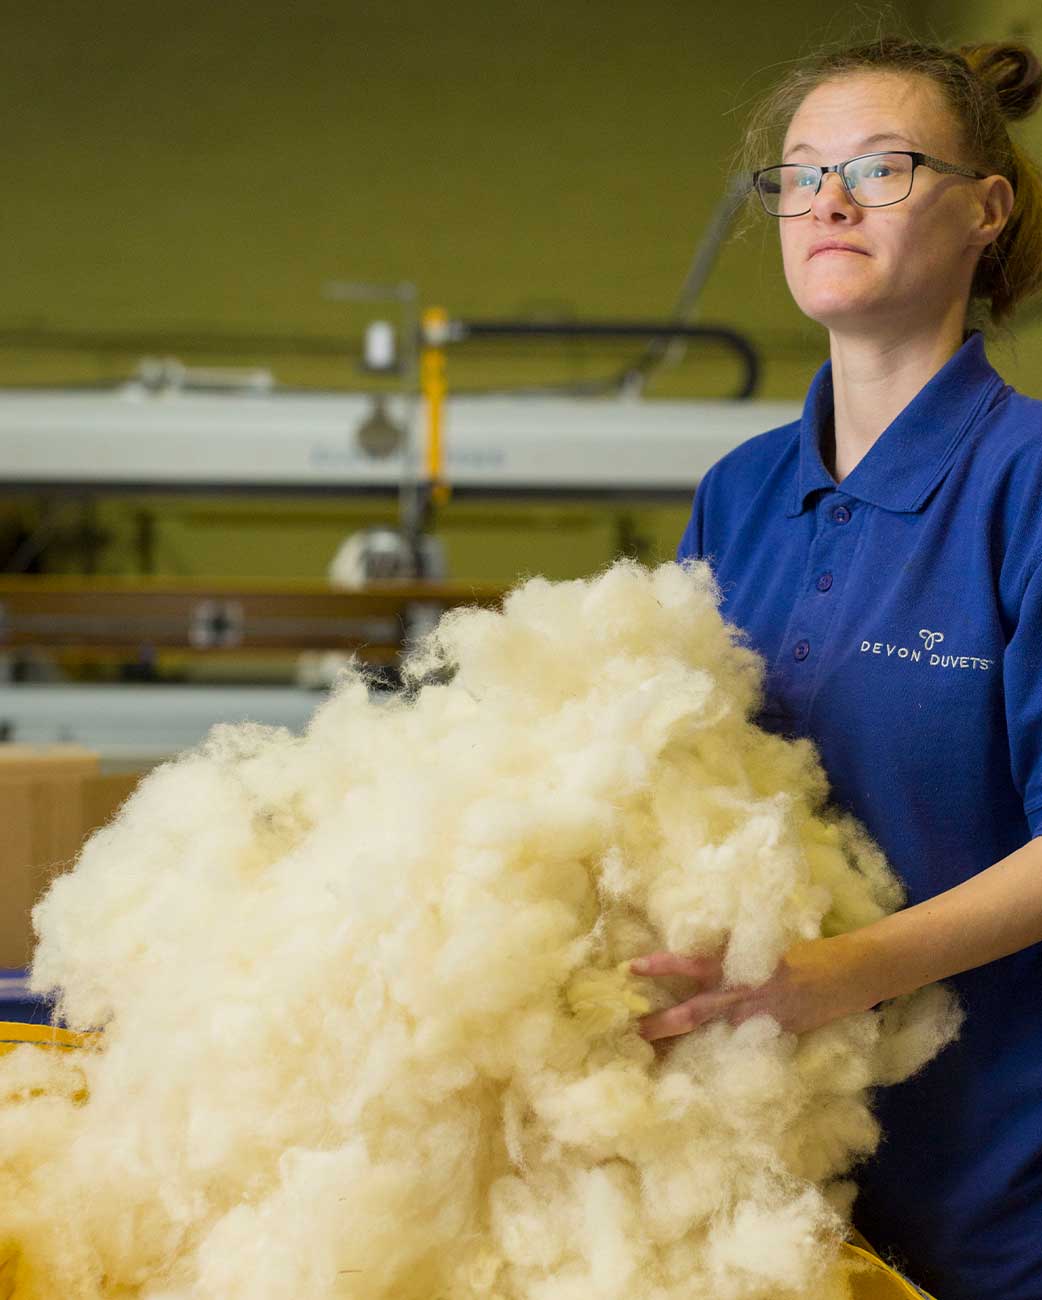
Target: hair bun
[[1014, 73]]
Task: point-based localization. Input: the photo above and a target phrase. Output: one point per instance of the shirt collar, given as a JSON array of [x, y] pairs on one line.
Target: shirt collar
[[912, 454]]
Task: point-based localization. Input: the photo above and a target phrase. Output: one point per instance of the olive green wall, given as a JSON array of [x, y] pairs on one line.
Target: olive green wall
[[183, 180]]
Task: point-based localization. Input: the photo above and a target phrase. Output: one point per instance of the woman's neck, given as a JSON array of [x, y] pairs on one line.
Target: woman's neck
[[873, 380]]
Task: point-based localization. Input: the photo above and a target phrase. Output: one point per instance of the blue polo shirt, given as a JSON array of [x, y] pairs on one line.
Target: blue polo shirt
[[900, 617]]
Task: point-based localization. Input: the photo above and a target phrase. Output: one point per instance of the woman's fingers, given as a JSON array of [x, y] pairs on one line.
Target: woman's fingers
[[704, 969], [686, 1016]]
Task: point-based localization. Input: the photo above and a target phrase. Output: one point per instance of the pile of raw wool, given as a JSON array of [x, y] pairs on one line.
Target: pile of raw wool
[[366, 1029]]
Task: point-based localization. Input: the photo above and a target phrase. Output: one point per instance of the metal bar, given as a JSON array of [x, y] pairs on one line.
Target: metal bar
[[461, 330]]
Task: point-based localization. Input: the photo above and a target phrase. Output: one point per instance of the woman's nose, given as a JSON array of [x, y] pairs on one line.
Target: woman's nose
[[833, 202]]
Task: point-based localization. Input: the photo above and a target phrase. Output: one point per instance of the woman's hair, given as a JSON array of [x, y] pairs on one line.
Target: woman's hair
[[984, 86]]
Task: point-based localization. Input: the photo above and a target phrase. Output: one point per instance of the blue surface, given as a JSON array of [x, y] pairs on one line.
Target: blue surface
[[17, 1003]]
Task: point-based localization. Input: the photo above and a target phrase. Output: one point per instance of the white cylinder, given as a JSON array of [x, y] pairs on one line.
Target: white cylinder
[[379, 345]]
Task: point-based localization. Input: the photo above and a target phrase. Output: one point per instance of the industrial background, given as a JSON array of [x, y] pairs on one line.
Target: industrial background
[[194, 184]]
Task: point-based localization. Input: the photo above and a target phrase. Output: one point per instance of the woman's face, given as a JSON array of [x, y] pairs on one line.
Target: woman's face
[[915, 259]]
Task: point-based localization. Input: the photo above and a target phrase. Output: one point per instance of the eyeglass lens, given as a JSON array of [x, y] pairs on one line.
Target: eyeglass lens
[[873, 180]]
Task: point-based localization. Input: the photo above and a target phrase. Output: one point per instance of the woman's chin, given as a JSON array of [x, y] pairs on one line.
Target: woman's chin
[[843, 309]]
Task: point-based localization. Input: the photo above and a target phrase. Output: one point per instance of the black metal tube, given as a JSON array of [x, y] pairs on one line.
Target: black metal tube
[[461, 330]]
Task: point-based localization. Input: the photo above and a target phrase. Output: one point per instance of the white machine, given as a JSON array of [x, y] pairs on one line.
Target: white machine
[[127, 439]]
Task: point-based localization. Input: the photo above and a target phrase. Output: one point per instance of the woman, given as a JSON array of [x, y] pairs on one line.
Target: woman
[[885, 555]]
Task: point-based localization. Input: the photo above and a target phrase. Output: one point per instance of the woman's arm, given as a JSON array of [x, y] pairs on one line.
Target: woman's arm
[[994, 913]]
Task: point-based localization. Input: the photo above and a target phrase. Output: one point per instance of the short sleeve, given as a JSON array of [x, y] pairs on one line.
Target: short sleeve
[[690, 547], [1022, 681]]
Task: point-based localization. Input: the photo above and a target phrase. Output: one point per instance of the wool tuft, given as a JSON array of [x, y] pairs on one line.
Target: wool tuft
[[369, 1030]]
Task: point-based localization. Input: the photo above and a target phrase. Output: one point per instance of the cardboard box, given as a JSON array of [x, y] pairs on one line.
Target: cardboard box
[[51, 798]]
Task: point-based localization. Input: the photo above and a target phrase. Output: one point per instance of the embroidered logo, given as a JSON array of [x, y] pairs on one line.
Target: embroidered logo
[[933, 659]]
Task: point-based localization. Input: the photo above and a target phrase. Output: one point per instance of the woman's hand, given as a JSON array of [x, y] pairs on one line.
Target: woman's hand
[[994, 913], [818, 980]]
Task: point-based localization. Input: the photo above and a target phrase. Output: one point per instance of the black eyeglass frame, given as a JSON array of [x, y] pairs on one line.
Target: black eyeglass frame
[[918, 160]]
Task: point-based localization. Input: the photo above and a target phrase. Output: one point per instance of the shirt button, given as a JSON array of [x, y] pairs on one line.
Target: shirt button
[[824, 582], [841, 515], [801, 651]]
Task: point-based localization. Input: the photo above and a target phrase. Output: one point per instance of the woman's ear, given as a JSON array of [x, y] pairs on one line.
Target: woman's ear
[[995, 206]]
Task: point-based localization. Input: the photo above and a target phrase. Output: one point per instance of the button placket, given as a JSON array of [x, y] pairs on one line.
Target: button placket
[[806, 636]]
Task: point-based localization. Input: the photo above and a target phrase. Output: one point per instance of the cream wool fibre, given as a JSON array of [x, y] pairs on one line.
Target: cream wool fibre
[[368, 1028]]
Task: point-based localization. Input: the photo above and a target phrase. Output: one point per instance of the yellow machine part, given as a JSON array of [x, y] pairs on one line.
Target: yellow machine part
[[50, 1038], [876, 1281], [8, 1266], [13, 1034]]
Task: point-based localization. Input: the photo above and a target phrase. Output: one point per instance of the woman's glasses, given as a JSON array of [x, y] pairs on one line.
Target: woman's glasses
[[875, 180]]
